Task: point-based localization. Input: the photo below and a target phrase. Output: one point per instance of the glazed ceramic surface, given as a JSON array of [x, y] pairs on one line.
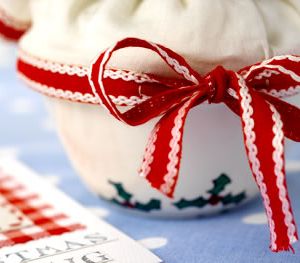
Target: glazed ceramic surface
[[107, 154]]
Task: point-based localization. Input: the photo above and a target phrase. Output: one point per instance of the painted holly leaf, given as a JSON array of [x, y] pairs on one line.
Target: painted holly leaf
[[215, 197], [219, 184], [151, 205], [233, 199], [125, 199], [184, 203], [121, 191]]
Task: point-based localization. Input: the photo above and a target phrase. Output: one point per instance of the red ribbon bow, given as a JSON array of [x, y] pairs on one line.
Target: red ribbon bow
[[253, 93]]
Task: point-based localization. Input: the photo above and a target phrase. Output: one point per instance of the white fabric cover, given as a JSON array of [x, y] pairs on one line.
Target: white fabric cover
[[18, 9], [234, 33]]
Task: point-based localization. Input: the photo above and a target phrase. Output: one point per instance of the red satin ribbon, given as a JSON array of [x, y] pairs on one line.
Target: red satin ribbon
[[265, 119], [10, 28]]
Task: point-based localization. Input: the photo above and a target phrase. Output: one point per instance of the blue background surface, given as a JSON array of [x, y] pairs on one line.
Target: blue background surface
[[240, 235]]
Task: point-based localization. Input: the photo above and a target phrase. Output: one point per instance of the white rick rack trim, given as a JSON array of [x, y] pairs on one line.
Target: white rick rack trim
[[148, 156], [266, 63], [59, 93], [13, 22], [266, 74], [128, 101], [275, 70], [82, 71], [126, 75], [285, 71], [279, 166], [52, 66], [252, 153], [174, 145], [105, 59], [79, 97], [182, 70], [178, 122], [291, 91]]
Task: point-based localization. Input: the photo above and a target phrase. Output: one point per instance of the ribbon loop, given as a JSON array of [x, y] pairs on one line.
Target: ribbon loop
[[253, 93]]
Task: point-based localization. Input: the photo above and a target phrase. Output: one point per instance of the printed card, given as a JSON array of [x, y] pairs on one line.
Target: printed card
[[40, 224]]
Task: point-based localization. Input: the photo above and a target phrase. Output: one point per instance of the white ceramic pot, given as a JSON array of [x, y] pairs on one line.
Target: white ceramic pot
[[214, 175]]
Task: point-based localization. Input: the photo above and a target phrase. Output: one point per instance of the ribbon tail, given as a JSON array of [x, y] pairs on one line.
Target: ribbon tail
[[161, 162], [264, 141], [290, 116]]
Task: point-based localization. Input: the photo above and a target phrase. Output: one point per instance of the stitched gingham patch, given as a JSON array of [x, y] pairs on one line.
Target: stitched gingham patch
[[25, 217]]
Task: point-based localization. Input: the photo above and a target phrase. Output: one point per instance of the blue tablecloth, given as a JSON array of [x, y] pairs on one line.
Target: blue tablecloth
[[237, 236]]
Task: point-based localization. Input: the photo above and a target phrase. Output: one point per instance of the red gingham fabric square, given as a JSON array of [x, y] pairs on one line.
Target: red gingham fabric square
[[42, 219]]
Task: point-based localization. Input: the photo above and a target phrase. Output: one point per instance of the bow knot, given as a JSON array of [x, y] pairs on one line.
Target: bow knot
[[253, 93], [218, 81]]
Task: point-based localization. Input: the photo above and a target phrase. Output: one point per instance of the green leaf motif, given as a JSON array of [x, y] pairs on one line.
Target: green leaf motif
[[230, 199], [198, 202], [153, 204], [215, 198], [219, 184], [121, 191]]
